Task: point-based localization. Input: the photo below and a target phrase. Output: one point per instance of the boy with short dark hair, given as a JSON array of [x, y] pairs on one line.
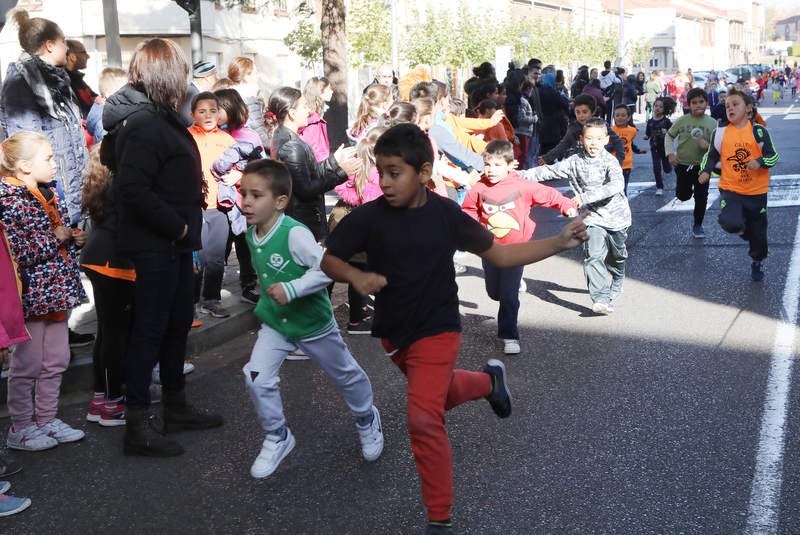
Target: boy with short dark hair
[[693, 133], [295, 312], [502, 201], [410, 235], [743, 152], [584, 107], [596, 178]]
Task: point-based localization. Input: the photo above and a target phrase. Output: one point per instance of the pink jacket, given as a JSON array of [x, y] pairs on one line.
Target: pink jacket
[[12, 321], [316, 135], [372, 189]]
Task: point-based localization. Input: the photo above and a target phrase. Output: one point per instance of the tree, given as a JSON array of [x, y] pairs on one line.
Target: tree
[[368, 32], [334, 64], [306, 39]]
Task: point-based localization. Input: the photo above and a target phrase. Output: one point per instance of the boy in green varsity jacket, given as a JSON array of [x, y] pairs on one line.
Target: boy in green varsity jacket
[[295, 312]]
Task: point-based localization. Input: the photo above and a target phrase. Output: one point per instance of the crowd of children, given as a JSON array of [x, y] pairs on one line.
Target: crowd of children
[[425, 178]]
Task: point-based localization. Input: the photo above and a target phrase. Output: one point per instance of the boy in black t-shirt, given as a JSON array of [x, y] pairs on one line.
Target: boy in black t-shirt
[[410, 235]]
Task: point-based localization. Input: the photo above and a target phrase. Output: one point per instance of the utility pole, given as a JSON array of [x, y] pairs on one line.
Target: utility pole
[[192, 7], [111, 24]]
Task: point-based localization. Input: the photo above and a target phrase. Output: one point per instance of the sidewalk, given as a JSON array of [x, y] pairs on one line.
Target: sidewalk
[[213, 332]]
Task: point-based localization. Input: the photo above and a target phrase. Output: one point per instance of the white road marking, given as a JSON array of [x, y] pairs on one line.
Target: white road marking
[[763, 512]]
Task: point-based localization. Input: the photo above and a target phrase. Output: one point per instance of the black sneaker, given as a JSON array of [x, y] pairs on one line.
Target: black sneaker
[[250, 295], [8, 467], [362, 327], [80, 340], [500, 396], [439, 528], [756, 273]]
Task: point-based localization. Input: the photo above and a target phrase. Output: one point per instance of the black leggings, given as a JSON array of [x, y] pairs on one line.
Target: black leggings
[[113, 302], [686, 185]]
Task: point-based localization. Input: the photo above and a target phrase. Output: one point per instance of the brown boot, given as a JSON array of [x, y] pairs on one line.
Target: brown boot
[[143, 437], [182, 416]]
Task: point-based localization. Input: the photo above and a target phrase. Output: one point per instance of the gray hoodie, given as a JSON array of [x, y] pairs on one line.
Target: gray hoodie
[[599, 182]]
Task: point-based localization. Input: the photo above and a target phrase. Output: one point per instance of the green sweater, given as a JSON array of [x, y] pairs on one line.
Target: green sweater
[[307, 315], [687, 130]]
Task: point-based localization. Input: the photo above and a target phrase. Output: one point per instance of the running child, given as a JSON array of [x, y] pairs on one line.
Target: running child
[[410, 235], [743, 153], [584, 107], [596, 179], [295, 311], [624, 128], [656, 129], [502, 203], [693, 133], [46, 254]]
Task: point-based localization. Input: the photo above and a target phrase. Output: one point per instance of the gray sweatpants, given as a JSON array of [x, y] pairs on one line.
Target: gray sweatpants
[[605, 253], [328, 352]]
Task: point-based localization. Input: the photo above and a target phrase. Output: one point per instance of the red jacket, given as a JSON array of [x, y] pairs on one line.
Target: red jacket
[[504, 208]]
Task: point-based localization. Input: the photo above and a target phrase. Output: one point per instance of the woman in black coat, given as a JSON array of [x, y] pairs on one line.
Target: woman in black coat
[[158, 187], [555, 111]]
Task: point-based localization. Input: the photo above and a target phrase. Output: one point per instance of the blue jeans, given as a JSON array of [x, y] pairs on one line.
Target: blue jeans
[[533, 151], [162, 317], [502, 284]]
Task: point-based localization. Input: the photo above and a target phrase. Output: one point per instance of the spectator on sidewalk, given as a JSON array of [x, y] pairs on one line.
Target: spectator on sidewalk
[[204, 78], [158, 187], [76, 62]]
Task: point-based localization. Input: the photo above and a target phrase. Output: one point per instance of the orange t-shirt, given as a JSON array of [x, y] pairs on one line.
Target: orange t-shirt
[[739, 146], [627, 135], [211, 145]]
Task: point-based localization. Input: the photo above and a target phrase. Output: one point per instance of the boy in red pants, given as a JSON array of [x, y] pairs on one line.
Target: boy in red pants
[[410, 235]]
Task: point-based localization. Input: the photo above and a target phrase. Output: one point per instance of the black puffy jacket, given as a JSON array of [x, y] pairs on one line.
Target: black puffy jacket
[[310, 179], [158, 182]]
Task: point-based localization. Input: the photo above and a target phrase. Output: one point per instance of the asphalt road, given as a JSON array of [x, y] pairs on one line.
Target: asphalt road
[[645, 421]]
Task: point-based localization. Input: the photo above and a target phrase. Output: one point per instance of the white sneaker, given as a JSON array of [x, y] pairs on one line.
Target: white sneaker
[[372, 437], [601, 308], [62, 432], [659, 192], [271, 455], [188, 368], [30, 438], [511, 347]]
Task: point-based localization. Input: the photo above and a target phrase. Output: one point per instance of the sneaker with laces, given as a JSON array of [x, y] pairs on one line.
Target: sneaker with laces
[[616, 289], [95, 409], [698, 232], [113, 414], [500, 396], [271, 455], [62, 432], [756, 272], [31, 438], [10, 505], [362, 327], [511, 347], [371, 437], [250, 295], [214, 309]]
